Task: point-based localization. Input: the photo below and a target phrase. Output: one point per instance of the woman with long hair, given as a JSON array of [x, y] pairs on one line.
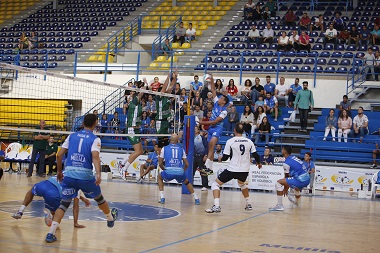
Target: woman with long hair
[[344, 125], [264, 131], [231, 88], [331, 121], [247, 119], [246, 91]]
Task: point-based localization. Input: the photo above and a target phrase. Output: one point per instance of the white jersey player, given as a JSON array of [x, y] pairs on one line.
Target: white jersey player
[[239, 150]]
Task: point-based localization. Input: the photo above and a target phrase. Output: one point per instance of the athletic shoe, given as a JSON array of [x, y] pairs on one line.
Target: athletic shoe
[[48, 217], [295, 205], [140, 180], [197, 202], [374, 166], [17, 215], [248, 207], [162, 201], [114, 213], [277, 208], [214, 209], [292, 198], [50, 238], [207, 171], [122, 173], [204, 189]]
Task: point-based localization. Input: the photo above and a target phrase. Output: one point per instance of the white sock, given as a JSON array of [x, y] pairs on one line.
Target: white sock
[[247, 201], [162, 194], [297, 200], [194, 195], [109, 216], [210, 164], [53, 227], [22, 208], [207, 163], [127, 164], [216, 202], [279, 200]]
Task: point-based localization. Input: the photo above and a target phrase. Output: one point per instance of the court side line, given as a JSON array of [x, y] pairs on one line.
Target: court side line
[[205, 233]]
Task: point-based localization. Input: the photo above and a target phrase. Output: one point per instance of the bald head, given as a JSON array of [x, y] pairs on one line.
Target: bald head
[[174, 138]]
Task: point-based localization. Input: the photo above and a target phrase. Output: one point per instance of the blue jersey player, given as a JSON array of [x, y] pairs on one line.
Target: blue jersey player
[[151, 164], [219, 112], [296, 177], [83, 150], [175, 166]]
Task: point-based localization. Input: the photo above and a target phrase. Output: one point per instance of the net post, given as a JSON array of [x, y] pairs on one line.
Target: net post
[[188, 143]]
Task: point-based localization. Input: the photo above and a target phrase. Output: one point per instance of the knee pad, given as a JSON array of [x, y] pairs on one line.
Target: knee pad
[[215, 186], [100, 199], [243, 186], [279, 187], [65, 204]]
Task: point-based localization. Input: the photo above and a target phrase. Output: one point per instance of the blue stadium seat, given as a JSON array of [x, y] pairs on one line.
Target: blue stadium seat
[[341, 70], [310, 61], [318, 69], [293, 69], [209, 59], [224, 52], [336, 54], [247, 53], [329, 69], [240, 33], [362, 48], [257, 53], [247, 68], [351, 48], [268, 53], [218, 59], [258, 68], [348, 55], [251, 46], [212, 67], [229, 60], [235, 67], [298, 61], [223, 67], [270, 68], [219, 46], [317, 47], [262, 46], [358, 62], [333, 62], [230, 33], [251, 60], [322, 61], [283, 68], [230, 46], [200, 67], [240, 46], [329, 47], [263, 60], [345, 62], [213, 52], [224, 39], [305, 69], [273, 60], [286, 61]]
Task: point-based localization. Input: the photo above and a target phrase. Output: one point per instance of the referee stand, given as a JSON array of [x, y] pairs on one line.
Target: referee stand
[[188, 145]]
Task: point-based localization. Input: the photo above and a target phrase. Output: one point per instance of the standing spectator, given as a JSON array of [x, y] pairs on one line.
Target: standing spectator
[[245, 92], [255, 15], [318, 24], [360, 123], [197, 100], [290, 18], [177, 89], [376, 35], [309, 164], [256, 90], [248, 8], [145, 122], [369, 64], [104, 123], [354, 37], [39, 147], [338, 22], [272, 7], [268, 34], [304, 102], [343, 37], [293, 90], [282, 91], [266, 14], [167, 48], [294, 40], [155, 85], [247, 119], [304, 42], [269, 87], [264, 131], [283, 42], [200, 156], [365, 36], [344, 125], [23, 42], [232, 119], [218, 154], [253, 35], [196, 85], [190, 33], [331, 121], [305, 22], [33, 41], [267, 158], [345, 105], [232, 89], [330, 35], [51, 154], [115, 122], [180, 33], [271, 105]]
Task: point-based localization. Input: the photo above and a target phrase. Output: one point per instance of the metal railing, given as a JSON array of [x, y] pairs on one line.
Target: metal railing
[[120, 38]]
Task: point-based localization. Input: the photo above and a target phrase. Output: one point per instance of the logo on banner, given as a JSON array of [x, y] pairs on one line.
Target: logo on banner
[[320, 179], [279, 160], [364, 180], [341, 179], [116, 164]]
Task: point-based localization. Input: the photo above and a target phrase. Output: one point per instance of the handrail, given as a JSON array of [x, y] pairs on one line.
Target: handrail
[[125, 34]]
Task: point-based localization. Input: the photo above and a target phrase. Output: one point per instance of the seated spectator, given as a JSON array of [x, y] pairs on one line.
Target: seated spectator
[[338, 22], [253, 35], [248, 8], [23, 42], [259, 102], [345, 105], [266, 14], [304, 42], [167, 48], [115, 123], [104, 123], [209, 99], [218, 154], [218, 86], [246, 91], [255, 15], [145, 122], [290, 18], [268, 34], [232, 89], [318, 24], [272, 7], [369, 63], [344, 125], [283, 42], [305, 22], [294, 40], [365, 36], [180, 33], [271, 105], [375, 35], [232, 119], [282, 91], [377, 65], [196, 85], [33, 41], [269, 87], [184, 94], [293, 90], [209, 107], [258, 118], [51, 154], [267, 158], [190, 33], [330, 35], [343, 37], [151, 107], [207, 118], [331, 121], [197, 100], [376, 151], [264, 131], [354, 36], [247, 119], [360, 123], [198, 112], [177, 89]]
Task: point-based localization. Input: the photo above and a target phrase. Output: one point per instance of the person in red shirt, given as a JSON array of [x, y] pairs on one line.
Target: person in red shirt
[[205, 127], [231, 88], [155, 85], [290, 18], [304, 42], [305, 22], [377, 21]]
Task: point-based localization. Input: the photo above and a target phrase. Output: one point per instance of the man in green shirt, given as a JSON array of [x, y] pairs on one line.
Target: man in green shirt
[[39, 147], [304, 102], [51, 154]]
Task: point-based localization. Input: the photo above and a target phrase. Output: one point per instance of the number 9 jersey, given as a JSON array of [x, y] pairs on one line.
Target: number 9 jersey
[[239, 149]]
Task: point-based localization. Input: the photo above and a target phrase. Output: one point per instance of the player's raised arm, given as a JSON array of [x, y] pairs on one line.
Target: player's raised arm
[[172, 83], [166, 83], [212, 84]]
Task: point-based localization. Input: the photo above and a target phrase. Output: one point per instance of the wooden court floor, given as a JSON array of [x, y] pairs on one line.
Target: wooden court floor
[[322, 224]]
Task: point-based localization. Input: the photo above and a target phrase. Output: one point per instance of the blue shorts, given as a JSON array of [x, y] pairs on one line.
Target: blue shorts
[[168, 176], [49, 192], [70, 187], [214, 131], [295, 183]]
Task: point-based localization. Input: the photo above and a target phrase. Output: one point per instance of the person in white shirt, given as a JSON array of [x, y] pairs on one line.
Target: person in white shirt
[[369, 58], [330, 35], [268, 34], [360, 124], [318, 23], [190, 33], [239, 150], [283, 42], [282, 91], [253, 35], [293, 40]]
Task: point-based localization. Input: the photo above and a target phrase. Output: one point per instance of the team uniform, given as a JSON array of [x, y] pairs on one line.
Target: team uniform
[[154, 157], [298, 171], [163, 105], [217, 111], [51, 191], [134, 120], [173, 155]]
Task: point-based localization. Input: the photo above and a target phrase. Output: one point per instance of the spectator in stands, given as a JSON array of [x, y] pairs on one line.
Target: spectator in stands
[[232, 89], [369, 63], [267, 158], [232, 119], [115, 122], [269, 87], [104, 123], [196, 85], [343, 37], [258, 118], [184, 94], [354, 36], [167, 48], [264, 131], [248, 8], [197, 100], [205, 128], [247, 119], [180, 33], [155, 85], [283, 42], [253, 35], [51, 154], [256, 14], [309, 164], [39, 147], [330, 35], [376, 151], [344, 125], [198, 112], [266, 14], [345, 105], [304, 102], [290, 18], [365, 36], [271, 105], [282, 91], [218, 86], [256, 90], [375, 35], [259, 102], [331, 122], [293, 90], [360, 123], [272, 7], [305, 22], [294, 40], [145, 122], [209, 107], [177, 89], [190, 33], [304, 42], [208, 99], [377, 65], [218, 154], [152, 129], [33, 41], [338, 22], [23, 42], [245, 92], [151, 107], [268, 34], [318, 24]]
